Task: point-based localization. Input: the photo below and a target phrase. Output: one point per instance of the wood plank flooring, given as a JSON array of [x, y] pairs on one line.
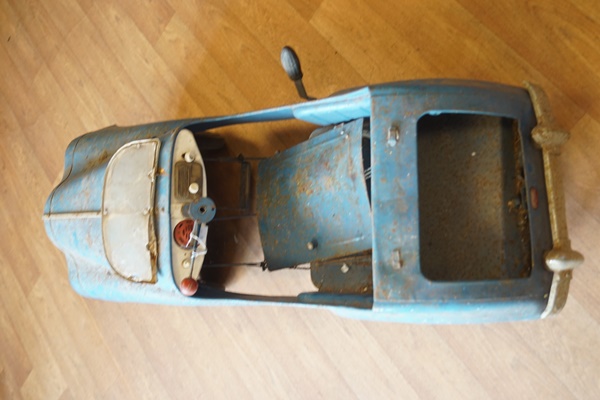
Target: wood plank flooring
[[68, 67]]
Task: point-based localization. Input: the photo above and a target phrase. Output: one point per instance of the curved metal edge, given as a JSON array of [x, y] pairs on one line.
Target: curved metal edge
[[561, 259]]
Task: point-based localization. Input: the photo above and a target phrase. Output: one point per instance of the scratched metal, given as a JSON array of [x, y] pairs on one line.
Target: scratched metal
[[345, 275], [80, 191], [401, 291], [315, 193]]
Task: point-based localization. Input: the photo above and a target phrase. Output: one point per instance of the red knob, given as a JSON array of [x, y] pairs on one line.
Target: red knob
[[189, 286]]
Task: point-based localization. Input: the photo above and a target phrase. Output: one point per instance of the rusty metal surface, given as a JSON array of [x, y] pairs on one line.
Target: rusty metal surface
[[344, 275], [312, 199], [400, 290], [80, 192], [472, 204], [399, 284], [561, 259]]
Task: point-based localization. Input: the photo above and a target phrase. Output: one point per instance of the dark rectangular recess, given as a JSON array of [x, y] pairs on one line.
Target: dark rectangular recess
[[472, 205]]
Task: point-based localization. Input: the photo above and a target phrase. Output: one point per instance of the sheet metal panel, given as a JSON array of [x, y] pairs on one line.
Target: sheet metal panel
[[315, 193]]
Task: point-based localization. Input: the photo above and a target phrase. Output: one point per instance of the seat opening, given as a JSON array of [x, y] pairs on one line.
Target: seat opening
[[472, 202]]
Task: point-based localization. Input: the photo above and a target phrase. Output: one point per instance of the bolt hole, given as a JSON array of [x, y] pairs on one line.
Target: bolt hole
[[202, 210]]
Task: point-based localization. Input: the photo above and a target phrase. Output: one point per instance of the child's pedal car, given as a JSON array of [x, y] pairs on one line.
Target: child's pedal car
[[425, 201]]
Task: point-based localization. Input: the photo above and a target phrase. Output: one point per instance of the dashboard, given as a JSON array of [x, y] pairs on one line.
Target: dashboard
[[188, 186]]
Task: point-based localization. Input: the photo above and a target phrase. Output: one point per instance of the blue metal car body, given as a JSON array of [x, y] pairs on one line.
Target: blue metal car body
[[344, 219]]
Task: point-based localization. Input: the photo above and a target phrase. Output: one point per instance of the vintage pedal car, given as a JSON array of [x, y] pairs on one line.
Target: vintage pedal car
[[422, 201]]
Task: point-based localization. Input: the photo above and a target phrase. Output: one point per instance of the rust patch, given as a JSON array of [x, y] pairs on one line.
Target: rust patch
[[345, 275], [472, 212]]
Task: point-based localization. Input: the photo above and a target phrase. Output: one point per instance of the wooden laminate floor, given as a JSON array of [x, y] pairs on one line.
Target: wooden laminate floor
[[68, 67]]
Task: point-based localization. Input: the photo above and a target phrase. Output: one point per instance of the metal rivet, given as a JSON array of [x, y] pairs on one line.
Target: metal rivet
[[393, 135], [186, 263], [345, 268], [189, 157], [312, 245]]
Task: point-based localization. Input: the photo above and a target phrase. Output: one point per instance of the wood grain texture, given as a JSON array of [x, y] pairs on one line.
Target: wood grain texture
[[68, 67]]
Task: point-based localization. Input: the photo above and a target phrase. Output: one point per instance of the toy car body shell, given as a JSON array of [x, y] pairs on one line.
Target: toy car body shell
[[74, 213]]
